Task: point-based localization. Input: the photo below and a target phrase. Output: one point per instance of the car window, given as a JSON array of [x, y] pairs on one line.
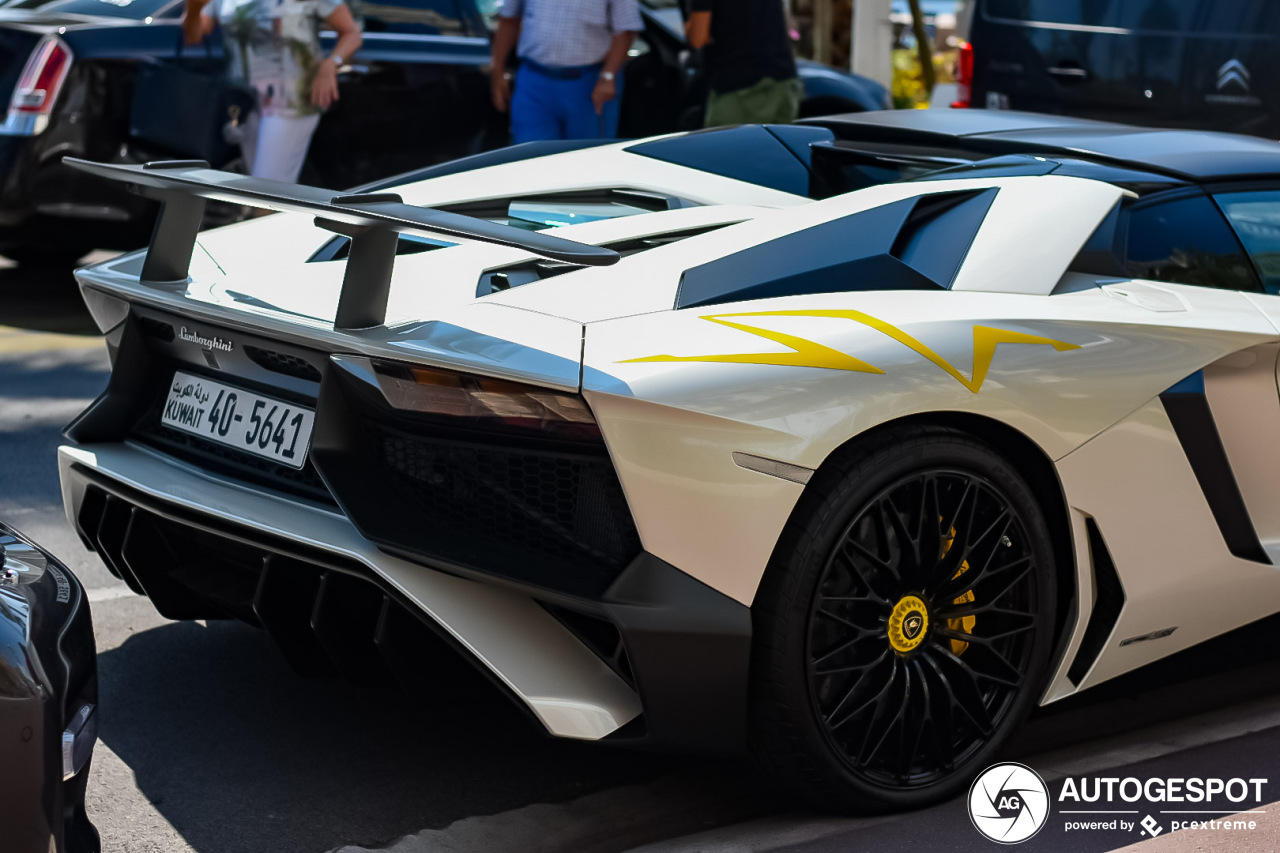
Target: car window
[[1256, 218], [420, 17], [1186, 241], [1150, 16], [1092, 13], [1204, 17]]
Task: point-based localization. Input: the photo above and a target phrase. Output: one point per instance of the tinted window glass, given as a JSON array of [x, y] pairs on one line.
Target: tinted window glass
[[1186, 241], [1207, 16], [1094, 13], [1256, 218], [1184, 16]]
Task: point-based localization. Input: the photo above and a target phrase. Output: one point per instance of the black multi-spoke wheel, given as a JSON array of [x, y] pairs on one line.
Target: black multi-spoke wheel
[[904, 625]]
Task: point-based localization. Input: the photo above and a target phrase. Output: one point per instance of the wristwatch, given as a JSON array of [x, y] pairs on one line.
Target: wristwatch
[[608, 75], [338, 59]]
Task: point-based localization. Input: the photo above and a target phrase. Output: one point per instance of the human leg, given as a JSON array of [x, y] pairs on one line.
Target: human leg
[[767, 101], [534, 109], [282, 146]]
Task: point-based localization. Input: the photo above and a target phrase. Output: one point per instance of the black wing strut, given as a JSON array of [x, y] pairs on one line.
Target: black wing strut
[[371, 221]]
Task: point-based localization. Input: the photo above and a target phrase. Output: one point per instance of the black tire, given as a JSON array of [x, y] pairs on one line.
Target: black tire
[[845, 712]]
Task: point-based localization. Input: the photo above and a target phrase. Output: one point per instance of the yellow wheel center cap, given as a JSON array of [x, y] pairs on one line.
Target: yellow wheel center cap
[[908, 624]]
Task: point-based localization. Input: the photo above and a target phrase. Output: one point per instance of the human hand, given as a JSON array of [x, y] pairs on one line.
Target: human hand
[[604, 92], [324, 88], [500, 89]]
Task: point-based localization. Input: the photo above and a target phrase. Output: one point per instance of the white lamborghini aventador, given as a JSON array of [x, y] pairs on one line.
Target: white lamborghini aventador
[[842, 444]]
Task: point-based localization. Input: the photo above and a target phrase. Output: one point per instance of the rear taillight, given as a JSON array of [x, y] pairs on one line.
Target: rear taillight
[[41, 79], [449, 397], [964, 76]]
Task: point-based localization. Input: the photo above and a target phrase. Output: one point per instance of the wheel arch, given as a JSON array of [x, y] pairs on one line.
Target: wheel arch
[[1041, 475]]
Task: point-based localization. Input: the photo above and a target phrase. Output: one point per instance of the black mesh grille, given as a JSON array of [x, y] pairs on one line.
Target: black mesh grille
[[326, 614], [562, 509], [282, 362]]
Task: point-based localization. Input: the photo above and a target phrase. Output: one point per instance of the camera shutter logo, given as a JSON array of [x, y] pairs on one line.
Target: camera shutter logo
[[1008, 803]]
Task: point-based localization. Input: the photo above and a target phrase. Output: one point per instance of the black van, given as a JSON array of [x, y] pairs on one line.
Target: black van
[[1209, 64]]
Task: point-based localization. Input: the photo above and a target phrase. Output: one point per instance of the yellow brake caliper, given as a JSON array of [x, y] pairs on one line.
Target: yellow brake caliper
[[963, 623]]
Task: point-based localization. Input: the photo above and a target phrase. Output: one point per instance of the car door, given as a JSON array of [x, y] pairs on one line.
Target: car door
[[1199, 63], [416, 93], [1194, 243], [1053, 56]]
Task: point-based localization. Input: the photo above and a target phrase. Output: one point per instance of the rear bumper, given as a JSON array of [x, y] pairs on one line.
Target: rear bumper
[[658, 659]]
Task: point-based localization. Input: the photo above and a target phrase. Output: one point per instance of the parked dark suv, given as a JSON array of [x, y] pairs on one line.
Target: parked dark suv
[[1208, 64], [417, 93]]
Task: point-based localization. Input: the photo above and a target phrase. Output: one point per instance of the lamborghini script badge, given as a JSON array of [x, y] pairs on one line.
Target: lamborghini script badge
[[214, 343], [807, 353]]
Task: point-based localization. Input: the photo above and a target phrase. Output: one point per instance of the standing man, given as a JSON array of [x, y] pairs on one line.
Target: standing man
[[748, 59], [571, 55]]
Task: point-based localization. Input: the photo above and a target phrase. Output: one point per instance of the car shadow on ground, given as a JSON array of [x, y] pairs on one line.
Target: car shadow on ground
[[240, 754]]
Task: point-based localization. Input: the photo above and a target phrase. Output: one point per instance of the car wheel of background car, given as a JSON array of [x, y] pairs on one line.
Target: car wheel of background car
[[904, 625]]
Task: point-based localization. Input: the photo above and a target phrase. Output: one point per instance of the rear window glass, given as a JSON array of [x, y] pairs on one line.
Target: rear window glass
[[1186, 241], [1256, 218]]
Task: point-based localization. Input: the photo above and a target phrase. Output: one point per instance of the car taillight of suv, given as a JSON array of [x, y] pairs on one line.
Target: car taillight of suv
[[42, 78], [964, 76]]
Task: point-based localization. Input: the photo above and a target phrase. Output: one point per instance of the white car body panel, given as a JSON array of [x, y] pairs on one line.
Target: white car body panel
[[1169, 554]]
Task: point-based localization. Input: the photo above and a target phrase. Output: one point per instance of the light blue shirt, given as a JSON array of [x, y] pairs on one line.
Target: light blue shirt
[[564, 33]]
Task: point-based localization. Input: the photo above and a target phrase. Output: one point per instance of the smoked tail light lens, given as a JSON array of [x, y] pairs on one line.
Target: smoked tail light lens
[[461, 398], [42, 78], [964, 77]]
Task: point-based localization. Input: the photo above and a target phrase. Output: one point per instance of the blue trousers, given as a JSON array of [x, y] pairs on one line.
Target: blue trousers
[[545, 107]]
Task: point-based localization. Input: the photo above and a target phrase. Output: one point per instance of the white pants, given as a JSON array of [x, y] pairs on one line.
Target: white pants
[[275, 146]]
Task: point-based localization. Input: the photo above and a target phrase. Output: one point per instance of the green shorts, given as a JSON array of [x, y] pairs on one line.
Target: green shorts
[[767, 101]]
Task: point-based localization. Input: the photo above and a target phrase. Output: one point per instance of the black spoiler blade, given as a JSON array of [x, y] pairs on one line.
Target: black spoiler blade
[[371, 221]]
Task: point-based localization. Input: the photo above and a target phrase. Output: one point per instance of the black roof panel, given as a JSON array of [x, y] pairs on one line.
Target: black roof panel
[[1191, 154]]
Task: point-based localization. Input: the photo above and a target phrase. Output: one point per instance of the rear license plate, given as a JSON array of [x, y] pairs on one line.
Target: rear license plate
[[239, 419]]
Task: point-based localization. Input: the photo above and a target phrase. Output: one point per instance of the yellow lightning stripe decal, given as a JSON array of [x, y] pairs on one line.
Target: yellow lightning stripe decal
[[807, 353]]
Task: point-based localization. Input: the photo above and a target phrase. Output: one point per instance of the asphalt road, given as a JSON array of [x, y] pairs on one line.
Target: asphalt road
[[210, 744]]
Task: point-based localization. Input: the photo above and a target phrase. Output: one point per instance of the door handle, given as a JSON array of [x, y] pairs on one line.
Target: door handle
[[1068, 72]]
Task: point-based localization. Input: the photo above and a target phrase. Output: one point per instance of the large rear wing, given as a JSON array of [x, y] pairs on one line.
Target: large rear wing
[[373, 222]]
